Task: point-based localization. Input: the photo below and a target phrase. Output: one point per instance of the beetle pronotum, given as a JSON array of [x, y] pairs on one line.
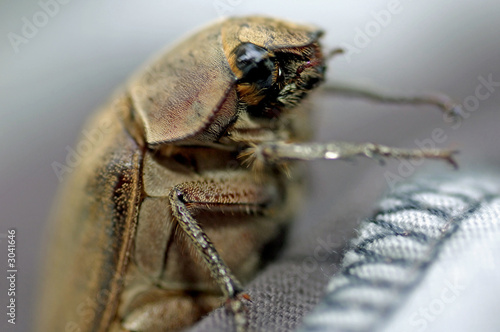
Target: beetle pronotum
[[167, 204]]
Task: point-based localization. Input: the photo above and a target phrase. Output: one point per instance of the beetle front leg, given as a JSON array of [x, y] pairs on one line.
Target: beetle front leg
[[276, 152], [449, 107]]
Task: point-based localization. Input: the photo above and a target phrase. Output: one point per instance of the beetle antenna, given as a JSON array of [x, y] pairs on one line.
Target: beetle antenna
[[334, 52]]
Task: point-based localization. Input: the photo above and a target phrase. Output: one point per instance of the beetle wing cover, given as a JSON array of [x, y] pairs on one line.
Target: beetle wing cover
[[92, 233]]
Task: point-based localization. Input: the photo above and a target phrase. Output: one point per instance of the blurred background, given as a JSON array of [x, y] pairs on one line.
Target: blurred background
[[60, 59]]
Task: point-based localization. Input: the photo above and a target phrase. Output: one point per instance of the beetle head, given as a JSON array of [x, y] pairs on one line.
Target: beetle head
[[276, 63]]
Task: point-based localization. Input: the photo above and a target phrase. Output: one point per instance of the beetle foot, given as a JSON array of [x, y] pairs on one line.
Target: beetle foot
[[237, 307]]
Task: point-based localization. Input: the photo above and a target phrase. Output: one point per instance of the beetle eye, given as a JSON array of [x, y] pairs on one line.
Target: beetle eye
[[255, 64]]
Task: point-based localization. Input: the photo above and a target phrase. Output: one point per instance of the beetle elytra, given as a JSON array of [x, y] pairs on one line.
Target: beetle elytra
[[165, 220]]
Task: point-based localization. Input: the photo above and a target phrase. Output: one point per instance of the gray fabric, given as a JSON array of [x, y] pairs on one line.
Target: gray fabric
[[430, 252], [278, 302], [411, 264]]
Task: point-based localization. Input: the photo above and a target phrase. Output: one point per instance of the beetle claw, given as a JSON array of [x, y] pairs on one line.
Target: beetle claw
[[236, 306]]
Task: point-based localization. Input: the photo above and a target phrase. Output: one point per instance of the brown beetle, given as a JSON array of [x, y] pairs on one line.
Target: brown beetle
[[165, 205]]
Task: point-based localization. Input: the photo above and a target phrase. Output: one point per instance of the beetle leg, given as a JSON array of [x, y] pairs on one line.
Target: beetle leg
[[449, 107], [230, 286], [218, 268], [276, 152], [238, 195]]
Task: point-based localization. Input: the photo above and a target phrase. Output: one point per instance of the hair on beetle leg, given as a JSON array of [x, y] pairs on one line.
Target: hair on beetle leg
[[258, 157], [251, 157]]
